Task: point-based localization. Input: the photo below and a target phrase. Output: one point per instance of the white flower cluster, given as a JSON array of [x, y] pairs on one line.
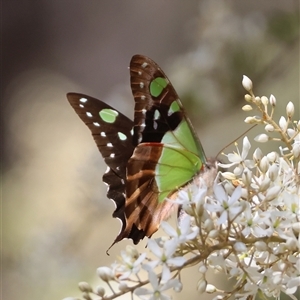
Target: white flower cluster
[[247, 227]]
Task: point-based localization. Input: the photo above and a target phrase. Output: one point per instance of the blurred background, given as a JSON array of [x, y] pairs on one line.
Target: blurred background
[[57, 220]]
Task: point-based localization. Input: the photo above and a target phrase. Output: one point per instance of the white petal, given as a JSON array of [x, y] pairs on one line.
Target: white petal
[[154, 248], [246, 147]]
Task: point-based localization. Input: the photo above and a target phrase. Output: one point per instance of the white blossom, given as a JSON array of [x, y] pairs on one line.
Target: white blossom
[[238, 160], [228, 207], [157, 289]]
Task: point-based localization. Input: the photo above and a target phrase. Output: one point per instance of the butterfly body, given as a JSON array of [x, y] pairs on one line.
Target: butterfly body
[[149, 159]]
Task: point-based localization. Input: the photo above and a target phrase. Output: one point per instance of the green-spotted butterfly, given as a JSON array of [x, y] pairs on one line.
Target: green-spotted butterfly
[[149, 159]]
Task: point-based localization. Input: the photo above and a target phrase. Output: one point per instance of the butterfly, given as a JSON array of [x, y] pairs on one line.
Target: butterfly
[[150, 158]]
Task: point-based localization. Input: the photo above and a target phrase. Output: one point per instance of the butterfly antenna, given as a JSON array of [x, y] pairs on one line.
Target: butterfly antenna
[[235, 140]]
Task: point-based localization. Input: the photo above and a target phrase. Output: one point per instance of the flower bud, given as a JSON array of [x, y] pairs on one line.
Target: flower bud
[[261, 138], [283, 123], [123, 287], [290, 109], [272, 193], [264, 165], [178, 287], [257, 155], [272, 156], [251, 120], [201, 286], [264, 100], [247, 83], [257, 100], [210, 289], [269, 128], [100, 291], [272, 100], [208, 224], [248, 98], [273, 172], [105, 273], [84, 287], [247, 107], [202, 268]]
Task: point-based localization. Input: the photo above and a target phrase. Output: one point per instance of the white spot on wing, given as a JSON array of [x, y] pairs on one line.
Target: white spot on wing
[[96, 124], [112, 155], [103, 134], [81, 105], [83, 100], [142, 85], [156, 114], [143, 97], [139, 72], [109, 145], [89, 114], [155, 125], [122, 136], [144, 65]]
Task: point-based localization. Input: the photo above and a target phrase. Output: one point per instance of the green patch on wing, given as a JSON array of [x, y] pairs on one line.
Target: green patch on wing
[[108, 115], [175, 168], [174, 107], [157, 85], [181, 159], [182, 137]]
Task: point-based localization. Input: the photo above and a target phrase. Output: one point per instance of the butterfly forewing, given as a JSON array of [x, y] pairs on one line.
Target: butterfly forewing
[[158, 109], [112, 132]]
